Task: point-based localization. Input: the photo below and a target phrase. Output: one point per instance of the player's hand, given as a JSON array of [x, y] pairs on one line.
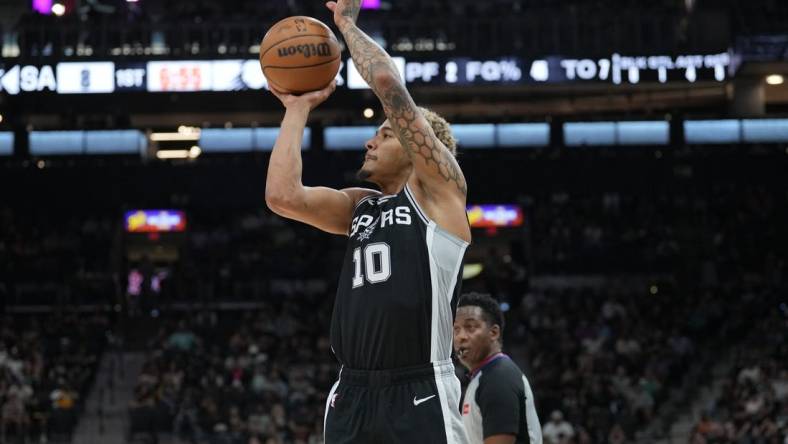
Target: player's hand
[[308, 101], [345, 12]]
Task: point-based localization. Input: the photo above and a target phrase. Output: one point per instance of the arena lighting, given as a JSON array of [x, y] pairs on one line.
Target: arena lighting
[[775, 79], [470, 271], [173, 137], [1, 118], [58, 9], [369, 113], [194, 152], [185, 133], [172, 154], [42, 6]]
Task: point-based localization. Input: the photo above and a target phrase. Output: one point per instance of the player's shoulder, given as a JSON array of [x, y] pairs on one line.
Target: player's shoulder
[[358, 195]]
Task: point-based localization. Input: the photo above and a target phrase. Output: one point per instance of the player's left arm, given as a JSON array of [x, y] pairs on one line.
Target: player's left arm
[[436, 168]]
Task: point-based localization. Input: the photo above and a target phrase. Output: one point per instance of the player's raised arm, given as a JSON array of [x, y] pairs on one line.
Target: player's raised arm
[[436, 168], [324, 208]]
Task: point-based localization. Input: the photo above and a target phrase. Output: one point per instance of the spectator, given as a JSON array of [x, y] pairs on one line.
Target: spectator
[[558, 430]]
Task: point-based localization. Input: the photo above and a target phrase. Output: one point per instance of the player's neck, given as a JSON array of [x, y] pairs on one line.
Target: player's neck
[[394, 183], [390, 187]]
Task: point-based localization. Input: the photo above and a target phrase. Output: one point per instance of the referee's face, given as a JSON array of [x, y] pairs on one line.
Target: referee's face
[[474, 338]]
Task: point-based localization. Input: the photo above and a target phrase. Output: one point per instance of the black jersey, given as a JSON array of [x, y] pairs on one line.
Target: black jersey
[[499, 401], [398, 288]]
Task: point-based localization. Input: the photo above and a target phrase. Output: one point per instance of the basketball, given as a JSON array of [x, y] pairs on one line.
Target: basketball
[[299, 54]]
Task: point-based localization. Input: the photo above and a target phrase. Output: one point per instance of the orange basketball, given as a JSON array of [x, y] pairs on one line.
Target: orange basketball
[[299, 54]]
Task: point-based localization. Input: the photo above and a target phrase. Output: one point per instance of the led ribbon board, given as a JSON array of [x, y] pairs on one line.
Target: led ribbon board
[[108, 76], [487, 216], [155, 221]]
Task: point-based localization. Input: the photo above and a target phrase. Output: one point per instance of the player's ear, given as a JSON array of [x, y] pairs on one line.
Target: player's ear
[[495, 332]]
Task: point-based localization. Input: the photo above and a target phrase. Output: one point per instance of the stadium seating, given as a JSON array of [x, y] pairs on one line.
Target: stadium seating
[[526, 26], [236, 377], [754, 398], [47, 364]]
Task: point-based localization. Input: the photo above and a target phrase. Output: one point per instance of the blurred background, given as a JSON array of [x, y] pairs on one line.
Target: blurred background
[[627, 165]]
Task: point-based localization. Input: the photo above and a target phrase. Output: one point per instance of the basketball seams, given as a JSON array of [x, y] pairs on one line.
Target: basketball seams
[[315, 43], [328, 37], [282, 87], [302, 66], [275, 83]]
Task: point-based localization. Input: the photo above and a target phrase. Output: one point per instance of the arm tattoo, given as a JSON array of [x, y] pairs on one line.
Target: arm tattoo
[[370, 59], [418, 139], [351, 11]]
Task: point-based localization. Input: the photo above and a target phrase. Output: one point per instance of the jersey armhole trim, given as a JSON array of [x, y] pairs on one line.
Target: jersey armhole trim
[[416, 205], [427, 221]]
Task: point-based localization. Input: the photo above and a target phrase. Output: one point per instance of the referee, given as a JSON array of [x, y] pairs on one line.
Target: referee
[[498, 406]]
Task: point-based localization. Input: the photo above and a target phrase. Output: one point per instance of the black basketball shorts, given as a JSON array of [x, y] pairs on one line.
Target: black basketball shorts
[[416, 405]]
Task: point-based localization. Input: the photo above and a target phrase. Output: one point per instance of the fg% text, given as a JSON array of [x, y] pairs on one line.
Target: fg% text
[[465, 71]]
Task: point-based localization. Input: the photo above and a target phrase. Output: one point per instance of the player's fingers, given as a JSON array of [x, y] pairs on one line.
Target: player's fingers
[[331, 5], [275, 91], [322, 95], [327, 90], [330, 88], [276, 94]]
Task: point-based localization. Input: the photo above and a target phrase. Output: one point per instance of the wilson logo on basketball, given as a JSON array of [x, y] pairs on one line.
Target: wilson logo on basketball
[[309, 50]]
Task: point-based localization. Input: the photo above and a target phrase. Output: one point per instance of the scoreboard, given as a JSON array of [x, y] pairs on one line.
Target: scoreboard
[[104, 77]]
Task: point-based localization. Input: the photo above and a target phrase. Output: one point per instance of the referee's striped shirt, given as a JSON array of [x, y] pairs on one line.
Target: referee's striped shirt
[[499, 401]]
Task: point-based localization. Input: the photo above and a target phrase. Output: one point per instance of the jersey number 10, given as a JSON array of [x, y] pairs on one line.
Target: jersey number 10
[[376, 263]]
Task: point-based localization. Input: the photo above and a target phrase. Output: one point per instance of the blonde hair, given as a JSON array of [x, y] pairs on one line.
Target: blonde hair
[[441, 128]]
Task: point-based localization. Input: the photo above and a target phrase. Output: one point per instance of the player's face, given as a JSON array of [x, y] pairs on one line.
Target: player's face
[[474, 338], [384, 156]]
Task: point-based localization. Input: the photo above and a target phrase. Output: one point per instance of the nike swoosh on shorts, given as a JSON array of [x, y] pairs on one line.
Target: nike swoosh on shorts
[[419, 401]]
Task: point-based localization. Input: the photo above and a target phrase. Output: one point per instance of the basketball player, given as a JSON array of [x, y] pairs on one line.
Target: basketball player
[[392, 321], [498, 407]]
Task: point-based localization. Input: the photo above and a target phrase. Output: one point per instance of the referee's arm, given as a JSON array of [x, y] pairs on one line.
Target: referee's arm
[[500, 439], [499, 405]]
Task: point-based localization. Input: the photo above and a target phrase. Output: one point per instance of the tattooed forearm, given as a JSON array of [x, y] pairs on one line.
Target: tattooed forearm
[[377, 68], [417, 139], [369, 58], [352, 9]]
